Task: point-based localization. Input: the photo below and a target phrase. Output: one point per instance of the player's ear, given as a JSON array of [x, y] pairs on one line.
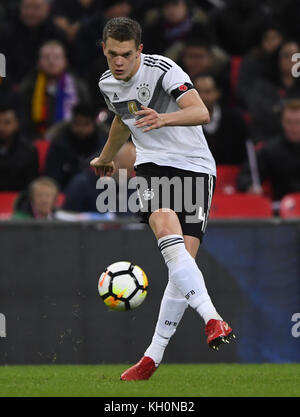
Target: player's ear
[[140, 49], [103, 46]]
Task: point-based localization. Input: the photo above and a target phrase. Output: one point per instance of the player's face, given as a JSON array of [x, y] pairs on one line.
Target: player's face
[[123, 58]]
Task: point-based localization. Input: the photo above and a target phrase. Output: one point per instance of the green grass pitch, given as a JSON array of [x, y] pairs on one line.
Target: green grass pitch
[[200, 380]]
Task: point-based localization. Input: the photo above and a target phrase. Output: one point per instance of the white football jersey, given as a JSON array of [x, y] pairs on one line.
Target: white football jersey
[[158, 84]]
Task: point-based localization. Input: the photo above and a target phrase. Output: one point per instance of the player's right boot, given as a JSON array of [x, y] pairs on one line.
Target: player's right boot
[[218, 332], [141, 371]]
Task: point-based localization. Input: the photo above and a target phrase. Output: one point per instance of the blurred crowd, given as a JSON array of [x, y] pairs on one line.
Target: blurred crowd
[[240, 54]]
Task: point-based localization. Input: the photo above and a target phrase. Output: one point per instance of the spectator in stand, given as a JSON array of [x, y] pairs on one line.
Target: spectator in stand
[[279, 159], [271, 91], [69, 15], [227, 132], [141, 8], [166, 32], [18, 158], [254, 64], [201, 57], [38, 202], [73, 145], [50, 93], [237, 25], [81, 194], [89, 36], [116, 8], [21, 39]]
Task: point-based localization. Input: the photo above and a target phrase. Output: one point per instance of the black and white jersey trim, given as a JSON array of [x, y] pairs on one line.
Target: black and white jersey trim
[[105, 75], [155, 66], [157, 63], [210, 196], [158, 60]]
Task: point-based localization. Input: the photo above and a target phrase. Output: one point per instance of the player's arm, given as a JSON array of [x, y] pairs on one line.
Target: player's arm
[[118, 135], [192, 112]]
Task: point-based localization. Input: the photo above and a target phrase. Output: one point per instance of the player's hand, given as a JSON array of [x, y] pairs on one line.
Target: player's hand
[[150, 118], [102, 169]]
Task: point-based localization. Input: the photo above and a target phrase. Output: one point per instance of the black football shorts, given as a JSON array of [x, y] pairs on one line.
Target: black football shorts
[[188, 193]]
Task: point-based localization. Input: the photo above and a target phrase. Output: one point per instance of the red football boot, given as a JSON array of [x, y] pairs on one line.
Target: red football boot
[[143, 370], [218, 332]]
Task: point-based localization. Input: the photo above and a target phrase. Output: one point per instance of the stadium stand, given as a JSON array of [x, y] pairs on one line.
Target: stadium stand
[[7, 200], [227, 177], [240, 206]]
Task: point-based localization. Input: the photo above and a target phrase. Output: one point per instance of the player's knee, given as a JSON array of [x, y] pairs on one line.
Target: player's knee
[[164, 231], [164, 223]]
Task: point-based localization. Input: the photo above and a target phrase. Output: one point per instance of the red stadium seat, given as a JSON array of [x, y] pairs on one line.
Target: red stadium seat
[[240, 206], [290, 206], [42, 147], [226, 179], [7, 200], [268, 189], [60, 200]]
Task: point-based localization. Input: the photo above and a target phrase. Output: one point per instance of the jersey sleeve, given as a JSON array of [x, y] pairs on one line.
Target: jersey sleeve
[[176, 82]]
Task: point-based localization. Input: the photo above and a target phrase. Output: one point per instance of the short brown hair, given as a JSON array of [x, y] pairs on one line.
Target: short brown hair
[[123, 29], [49, 182]]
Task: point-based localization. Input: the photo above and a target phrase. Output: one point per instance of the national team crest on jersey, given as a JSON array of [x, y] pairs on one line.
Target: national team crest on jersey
[[132, 107], [144, 93]]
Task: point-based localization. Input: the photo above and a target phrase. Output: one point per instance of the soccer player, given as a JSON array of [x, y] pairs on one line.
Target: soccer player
[[154, 100]]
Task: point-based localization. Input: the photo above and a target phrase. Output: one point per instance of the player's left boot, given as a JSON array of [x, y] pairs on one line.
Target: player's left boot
[[218, 332], [143, 370]]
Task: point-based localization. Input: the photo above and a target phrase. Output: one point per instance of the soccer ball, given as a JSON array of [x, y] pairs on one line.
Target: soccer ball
[[123, 286]]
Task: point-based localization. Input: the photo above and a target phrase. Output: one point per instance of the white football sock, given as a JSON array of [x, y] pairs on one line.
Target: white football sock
[[172, 307], [186, 276]]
